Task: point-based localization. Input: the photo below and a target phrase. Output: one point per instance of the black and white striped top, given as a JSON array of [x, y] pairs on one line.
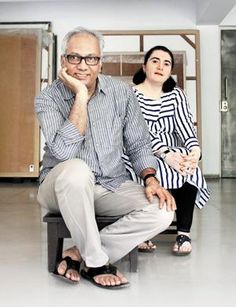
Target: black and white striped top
[[170, 124], [114, 121]]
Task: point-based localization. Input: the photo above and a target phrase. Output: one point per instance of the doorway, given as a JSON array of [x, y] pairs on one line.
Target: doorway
[[26, 58], [228, 103]]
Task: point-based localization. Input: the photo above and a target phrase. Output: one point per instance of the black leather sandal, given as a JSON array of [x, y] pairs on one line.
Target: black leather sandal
[[180, 240], [103, 270], [70, 265]]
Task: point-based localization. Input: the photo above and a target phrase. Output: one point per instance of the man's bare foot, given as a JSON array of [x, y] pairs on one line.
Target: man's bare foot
[[147, 247], [110, 279], [106, 276], [63, 270]]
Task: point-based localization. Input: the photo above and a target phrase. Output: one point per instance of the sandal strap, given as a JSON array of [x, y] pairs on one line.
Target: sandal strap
[[105, 269], [180, 239]]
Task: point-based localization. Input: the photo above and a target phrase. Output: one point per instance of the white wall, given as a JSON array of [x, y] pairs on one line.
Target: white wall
[[230, 19], [210, 92], [143, 15]]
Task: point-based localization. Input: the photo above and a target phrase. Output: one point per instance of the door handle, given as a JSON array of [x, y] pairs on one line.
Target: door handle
[[226, 88], [224, 103]]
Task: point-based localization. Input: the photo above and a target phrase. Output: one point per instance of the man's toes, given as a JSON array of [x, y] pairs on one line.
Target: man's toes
[[115, 280], [62, 268], [73, 275], [75, 278], [108, 280], [100, 280], [122, 278]]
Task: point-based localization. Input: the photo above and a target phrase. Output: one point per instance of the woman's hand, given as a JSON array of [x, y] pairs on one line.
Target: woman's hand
[[191, 161], [176, 160]]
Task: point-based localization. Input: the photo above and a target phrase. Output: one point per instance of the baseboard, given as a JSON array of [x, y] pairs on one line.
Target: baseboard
[[212, 176]]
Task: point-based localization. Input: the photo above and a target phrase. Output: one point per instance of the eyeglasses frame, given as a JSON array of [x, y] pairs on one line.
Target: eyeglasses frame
[[66, 56]]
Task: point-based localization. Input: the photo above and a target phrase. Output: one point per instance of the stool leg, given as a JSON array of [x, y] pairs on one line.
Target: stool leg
[[55, 246], [133, 260]]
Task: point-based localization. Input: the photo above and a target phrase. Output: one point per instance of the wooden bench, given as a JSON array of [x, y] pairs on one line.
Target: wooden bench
[[57, 231]]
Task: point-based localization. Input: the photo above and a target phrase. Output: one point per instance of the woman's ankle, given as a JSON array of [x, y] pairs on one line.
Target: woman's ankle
[[183, 233]]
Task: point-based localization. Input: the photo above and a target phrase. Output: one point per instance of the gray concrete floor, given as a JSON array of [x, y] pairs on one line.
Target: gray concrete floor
[[205, 278]]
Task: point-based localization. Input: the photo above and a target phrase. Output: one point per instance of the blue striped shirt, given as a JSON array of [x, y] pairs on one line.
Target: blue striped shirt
[[115, 121]]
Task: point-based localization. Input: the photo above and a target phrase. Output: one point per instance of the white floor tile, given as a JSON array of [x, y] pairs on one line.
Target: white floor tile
[[205, 278]]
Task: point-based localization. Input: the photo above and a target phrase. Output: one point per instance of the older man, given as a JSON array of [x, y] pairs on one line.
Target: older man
[[87, 119]]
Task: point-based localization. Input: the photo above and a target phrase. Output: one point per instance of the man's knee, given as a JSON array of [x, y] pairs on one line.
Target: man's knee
[[160, 216], [167, 217], [75, 173]]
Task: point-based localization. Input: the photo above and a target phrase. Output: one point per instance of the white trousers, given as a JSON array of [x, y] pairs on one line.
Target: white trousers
[[69, 188]]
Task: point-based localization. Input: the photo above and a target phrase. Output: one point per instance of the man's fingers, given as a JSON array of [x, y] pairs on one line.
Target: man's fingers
[[149, 196], [162, 199], [165, 198], [171, 205]]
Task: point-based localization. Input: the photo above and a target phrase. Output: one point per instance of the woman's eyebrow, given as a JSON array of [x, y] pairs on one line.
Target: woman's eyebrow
[[156, 58]]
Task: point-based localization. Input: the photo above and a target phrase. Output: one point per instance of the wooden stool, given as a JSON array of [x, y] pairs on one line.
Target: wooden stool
[[57, 231]]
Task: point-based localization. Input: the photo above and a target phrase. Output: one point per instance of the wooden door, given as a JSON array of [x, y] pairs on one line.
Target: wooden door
[[20, 62]]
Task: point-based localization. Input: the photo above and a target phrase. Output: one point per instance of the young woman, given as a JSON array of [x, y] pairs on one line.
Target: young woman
[[174, 141]]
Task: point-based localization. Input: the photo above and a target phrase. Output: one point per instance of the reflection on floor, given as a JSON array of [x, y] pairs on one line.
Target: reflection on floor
[[205, 278]]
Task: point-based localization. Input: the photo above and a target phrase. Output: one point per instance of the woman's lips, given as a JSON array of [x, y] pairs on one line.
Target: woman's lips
[[159, 74]]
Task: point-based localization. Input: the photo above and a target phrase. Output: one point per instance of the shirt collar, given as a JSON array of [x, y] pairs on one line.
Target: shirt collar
[[102, 84]]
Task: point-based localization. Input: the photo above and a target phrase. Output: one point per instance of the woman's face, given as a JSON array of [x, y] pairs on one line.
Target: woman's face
[[158, 67]]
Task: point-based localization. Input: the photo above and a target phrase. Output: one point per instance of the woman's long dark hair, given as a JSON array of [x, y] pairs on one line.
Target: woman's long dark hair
[[140, 75]]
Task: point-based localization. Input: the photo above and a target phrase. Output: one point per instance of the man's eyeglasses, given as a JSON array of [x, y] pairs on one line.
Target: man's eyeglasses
[[77, 59]]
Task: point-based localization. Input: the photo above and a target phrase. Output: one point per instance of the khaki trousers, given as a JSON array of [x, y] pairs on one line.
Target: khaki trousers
[[69, 188]]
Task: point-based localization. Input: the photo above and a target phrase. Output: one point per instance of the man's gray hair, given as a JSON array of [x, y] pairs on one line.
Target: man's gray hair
[[82, 30]]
